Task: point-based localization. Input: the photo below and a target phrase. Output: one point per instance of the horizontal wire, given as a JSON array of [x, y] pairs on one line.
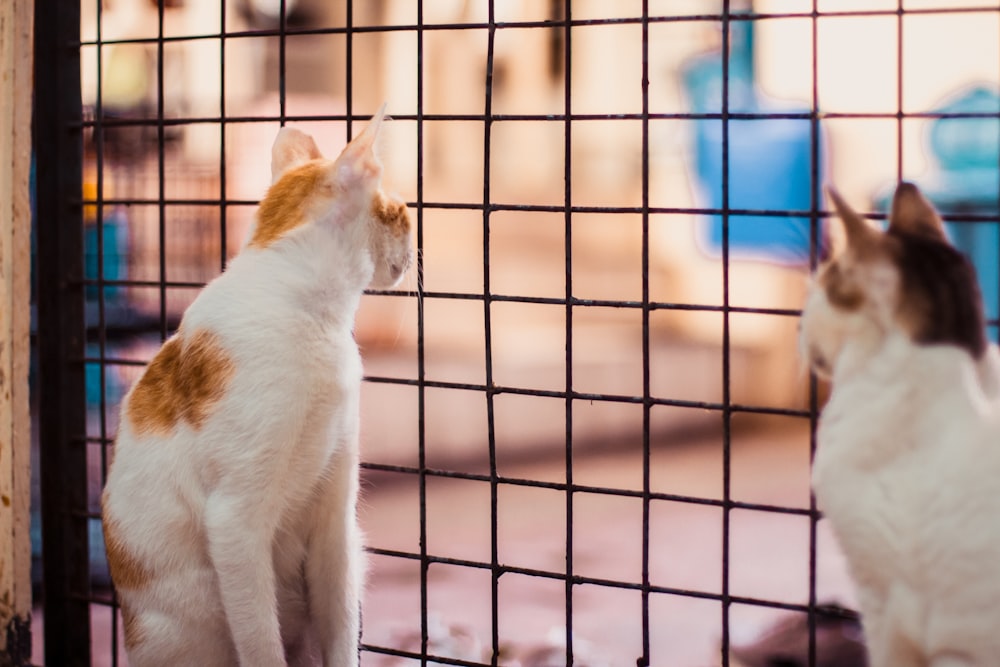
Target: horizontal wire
[[427, 657], [552, 486], [514, 25], [492, 207], [582, 396], [497, 390], [505, 298], [552, 208], [594, 581], [109, 122], [530, 572], [585, 488]]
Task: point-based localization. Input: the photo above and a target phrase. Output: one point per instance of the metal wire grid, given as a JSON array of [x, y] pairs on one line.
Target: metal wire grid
[[62, 321]]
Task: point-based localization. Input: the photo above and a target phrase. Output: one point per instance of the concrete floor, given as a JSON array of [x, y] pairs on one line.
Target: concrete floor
[[768, 554]]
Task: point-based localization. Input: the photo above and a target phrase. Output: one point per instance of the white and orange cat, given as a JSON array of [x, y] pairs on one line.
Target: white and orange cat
[[907, 468], [229, 511]]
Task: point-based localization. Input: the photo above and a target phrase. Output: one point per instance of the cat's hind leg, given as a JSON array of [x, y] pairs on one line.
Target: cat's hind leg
[[153, 639], [297, 633]]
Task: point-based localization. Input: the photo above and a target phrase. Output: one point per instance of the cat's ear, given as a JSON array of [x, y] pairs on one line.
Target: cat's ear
[[358, 165], [859, 233], [911, 212], [291, 148]]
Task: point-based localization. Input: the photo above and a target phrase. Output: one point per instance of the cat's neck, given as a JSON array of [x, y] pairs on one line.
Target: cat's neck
[[905, 397], [895, 358], [869, 349], [901, 378], [319, 274]]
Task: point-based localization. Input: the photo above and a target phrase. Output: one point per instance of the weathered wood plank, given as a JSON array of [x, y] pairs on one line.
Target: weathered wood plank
[[15, 247]]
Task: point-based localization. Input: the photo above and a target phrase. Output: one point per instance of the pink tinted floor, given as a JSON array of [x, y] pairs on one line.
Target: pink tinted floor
[[769, 555]]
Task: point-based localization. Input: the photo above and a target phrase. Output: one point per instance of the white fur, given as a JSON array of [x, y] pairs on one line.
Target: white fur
[[907, 470], [248, 524]]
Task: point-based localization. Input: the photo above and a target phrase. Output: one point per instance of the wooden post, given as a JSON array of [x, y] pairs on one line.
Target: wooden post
[[15, 265]]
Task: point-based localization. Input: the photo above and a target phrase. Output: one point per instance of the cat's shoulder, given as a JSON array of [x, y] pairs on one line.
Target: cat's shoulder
[[183, 382]]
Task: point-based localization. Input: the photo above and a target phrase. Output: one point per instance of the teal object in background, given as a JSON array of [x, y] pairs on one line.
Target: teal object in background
[[114, 230], [770, 159], [114, 264]]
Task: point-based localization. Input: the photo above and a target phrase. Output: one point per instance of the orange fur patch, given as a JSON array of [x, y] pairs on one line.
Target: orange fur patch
[[183, 382], [126, 570], [839, 290], [392, 215], [283, 208]]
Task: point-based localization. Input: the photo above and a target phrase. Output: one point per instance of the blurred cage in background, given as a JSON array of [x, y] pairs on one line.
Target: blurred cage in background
[[586, 432]]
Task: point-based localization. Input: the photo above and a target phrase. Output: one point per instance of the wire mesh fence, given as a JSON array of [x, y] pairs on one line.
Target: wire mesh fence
[[585, 431]]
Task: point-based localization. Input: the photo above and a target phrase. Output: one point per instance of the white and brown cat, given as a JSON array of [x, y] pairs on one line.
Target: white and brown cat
[[907, 468], [229, 511]]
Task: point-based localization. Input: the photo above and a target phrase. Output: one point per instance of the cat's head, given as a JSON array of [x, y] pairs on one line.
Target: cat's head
[[905, 280], [345, 195]]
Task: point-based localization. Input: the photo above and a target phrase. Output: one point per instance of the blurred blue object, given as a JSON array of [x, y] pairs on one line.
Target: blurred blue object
[[114, 232], [965, 179], [770, 159]]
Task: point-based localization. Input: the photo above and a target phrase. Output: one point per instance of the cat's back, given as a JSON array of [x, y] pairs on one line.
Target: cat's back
[[246, 360], [246, 349]]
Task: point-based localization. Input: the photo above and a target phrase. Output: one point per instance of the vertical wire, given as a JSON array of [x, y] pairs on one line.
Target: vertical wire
[[223, 201], [161, 171], [98, 139], [726, 398], [814, 240], [282, 25], [647, 405], [349, 65], [488, 340], [568, 220], [899, 90], [421, 363]]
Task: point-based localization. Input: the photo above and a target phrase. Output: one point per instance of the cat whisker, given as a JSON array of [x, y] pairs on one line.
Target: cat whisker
[[417, 272]]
